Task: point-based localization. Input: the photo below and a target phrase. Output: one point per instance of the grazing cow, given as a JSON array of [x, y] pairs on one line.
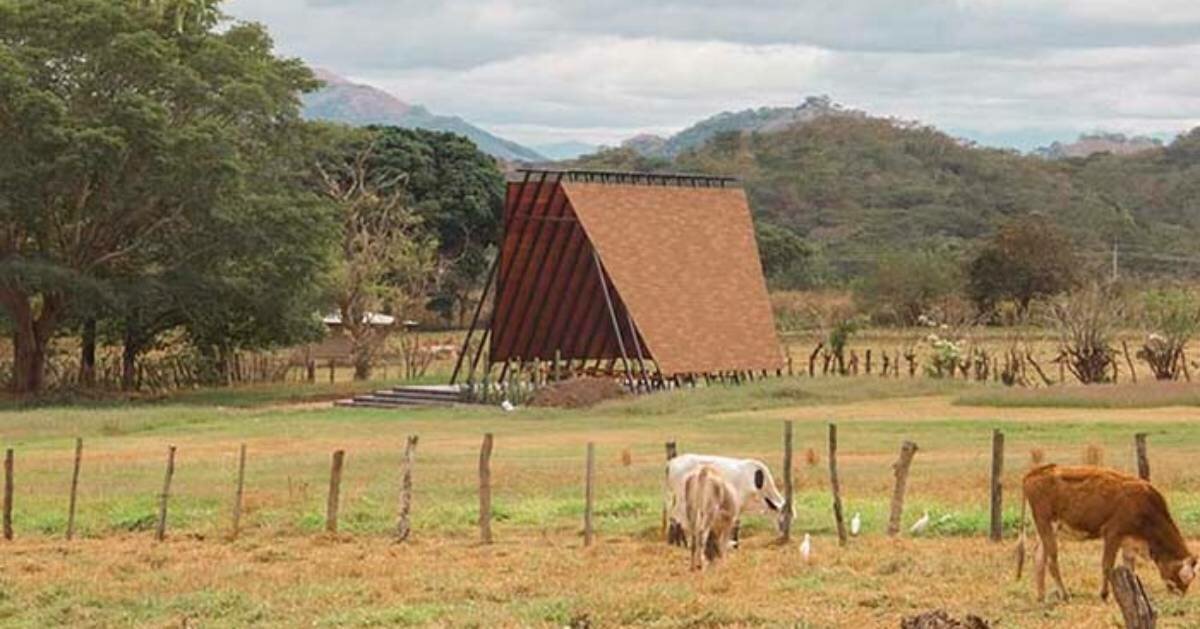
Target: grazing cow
[[754, 488], [1102, 503], [711, 507]]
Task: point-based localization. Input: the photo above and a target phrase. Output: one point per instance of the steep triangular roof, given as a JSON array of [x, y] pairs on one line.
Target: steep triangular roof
[[661, 271]]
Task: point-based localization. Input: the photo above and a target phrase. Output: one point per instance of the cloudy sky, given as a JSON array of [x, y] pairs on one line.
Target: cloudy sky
[[1005, 72]]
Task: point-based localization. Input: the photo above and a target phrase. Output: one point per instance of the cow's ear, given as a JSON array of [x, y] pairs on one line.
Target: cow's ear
[[1187, 571], [759, 479]]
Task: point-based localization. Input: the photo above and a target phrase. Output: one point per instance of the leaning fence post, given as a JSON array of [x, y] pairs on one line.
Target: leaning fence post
[[589, 493], [238, 493], [161, 532], [835, 486], [8, 494], [1143, 461], [1131, 597], [485, 489], [997, 486], [74, 488], [335, 491], [403, 528], [907, 450], [785, 523]]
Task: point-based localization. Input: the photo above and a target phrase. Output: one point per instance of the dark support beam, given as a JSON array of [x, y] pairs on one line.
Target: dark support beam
[[612, 314], [466, 346], [502, 308]]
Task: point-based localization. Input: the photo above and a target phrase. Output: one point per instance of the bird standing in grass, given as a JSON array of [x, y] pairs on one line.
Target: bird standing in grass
[[806, 548], [855, 524], [920, 525]]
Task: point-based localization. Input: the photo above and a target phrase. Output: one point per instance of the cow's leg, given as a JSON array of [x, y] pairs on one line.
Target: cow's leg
[[1048, 555], [737, 534], [1051, 546], [1039, 565], [1129, 558], [675, 534], [697, 542], [1107, 560]]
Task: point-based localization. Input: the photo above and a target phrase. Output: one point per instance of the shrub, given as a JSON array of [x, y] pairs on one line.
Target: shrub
[[905, 285], [1087, 322], [1171, 318]]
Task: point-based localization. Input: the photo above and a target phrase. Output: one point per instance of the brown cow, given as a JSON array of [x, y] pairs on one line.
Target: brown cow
[[712, 509], [1102, 503]]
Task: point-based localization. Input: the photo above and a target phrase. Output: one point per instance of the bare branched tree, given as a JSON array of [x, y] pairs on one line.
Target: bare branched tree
[[386, 260], [1087, 321]]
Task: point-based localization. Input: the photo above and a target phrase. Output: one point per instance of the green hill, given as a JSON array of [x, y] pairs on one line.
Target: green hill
[[855, 187]]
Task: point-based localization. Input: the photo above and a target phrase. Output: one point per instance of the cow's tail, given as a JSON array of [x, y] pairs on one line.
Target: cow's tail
[[1021, 538]]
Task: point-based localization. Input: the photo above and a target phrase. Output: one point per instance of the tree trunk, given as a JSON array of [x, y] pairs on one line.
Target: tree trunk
[[87, 355], [31, 336], [129, 354]]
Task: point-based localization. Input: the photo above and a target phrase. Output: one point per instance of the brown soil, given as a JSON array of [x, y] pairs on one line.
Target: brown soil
[[578, 393], [939, 619]]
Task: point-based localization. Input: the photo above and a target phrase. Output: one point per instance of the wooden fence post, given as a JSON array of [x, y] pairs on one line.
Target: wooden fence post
[[403, 528], [835, 486], [589, 494], [161, 532], [1129, 360], [907, 450], [785, 523], [674, 530], [238, 493], [997, 486], [8, 494], [1131, 597], [485, 489], [335, 491], [1143, 461], [74, 488]]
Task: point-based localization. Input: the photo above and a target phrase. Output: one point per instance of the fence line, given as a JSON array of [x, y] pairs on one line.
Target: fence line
[[901, 469]]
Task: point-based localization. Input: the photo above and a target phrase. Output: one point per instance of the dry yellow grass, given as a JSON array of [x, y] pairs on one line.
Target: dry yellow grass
[[284, 572], [539, 580]]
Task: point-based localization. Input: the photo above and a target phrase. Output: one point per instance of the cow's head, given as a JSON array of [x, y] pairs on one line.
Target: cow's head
[[1179, 573], [767, 493]]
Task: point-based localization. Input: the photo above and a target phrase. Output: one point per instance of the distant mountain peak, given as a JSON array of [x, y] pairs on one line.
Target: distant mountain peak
[[1099, 142], [760, 120], [342, 100]]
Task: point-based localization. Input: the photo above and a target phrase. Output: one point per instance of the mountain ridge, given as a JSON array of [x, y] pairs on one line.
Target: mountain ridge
[[345, 101]]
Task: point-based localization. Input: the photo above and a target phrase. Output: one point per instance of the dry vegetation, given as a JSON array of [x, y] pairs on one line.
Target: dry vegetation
[[284, 572]]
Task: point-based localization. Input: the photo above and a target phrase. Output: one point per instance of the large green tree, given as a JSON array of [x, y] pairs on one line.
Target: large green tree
[[1026, 258], [458, 192], [128, 127]]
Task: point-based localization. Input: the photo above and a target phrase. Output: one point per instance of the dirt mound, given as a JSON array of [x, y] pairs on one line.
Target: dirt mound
[[578, 393], [939, 619]]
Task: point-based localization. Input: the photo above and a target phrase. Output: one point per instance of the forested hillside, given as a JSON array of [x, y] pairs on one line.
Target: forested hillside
[[855, 188]]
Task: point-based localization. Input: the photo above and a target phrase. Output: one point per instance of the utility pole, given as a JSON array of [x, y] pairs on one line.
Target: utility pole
[[1114, 262]]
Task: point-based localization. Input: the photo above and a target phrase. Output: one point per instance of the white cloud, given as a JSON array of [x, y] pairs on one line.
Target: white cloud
[[541, 70]]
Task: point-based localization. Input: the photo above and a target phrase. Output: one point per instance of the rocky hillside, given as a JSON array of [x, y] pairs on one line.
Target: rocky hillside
[[1090, 144], [353, 103], [761, 120]]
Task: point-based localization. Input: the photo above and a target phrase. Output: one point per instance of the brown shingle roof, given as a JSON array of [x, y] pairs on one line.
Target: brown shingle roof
[[684, 262]]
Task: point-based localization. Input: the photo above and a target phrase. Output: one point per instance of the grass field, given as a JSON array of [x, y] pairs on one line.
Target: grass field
[[285, 572]]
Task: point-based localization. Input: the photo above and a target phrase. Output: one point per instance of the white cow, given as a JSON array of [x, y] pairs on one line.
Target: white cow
[[751, 480]]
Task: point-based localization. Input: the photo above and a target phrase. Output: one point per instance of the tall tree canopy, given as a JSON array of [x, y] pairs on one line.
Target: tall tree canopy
[[458, 192], [134, 135]]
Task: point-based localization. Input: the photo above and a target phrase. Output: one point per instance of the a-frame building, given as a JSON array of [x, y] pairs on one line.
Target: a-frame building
[[654, 278]]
